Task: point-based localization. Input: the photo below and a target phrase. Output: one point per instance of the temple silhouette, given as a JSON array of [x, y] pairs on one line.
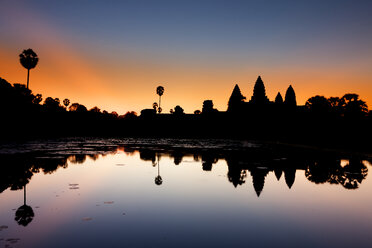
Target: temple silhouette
[[337, 122], [259, 100]]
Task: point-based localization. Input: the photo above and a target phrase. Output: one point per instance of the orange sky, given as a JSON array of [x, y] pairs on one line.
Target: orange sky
[[123, 77]]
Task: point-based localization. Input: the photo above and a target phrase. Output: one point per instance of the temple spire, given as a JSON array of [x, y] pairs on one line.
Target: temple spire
[[259, 92], [236, 99]]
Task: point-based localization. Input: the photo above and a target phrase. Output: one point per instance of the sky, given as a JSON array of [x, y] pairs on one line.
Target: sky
[[113, 54]]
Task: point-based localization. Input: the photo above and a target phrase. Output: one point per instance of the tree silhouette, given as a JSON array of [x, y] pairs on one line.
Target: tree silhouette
[[130, 115], [24, 214], [353, 107], [290, 97], [29, 60], [52, 104], [197, 112], [353, 174], [95, 110], [160, 92], [178, 110], [207, 107], [37, 99], [318, 104], [336, 105], [259, 92], [155, 106], [76, 107], [66, 102]]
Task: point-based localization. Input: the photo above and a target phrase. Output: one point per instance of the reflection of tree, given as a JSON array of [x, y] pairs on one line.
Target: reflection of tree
[[158, 179], [94, 157], [147, 155], [77, 159], [50, 165], [349, 176], [208, 160], [353, 174], [24, 214], [323, 171], [178, 156], [236, 176]]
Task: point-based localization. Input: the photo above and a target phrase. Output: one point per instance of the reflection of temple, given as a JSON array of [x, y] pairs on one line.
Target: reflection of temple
[[259, 168], [256, 162]]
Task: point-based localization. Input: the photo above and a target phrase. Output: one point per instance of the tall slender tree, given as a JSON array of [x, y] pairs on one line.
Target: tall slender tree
[[160, 92], [28, 59]]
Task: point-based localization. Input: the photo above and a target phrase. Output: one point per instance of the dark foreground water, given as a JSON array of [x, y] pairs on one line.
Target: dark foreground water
[[182, 193]]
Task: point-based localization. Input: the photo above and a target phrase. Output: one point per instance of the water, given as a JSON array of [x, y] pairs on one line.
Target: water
[[182, 193]]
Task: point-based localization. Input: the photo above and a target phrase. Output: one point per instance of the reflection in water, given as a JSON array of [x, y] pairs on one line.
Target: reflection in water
[[158, 179], [24, 214], [328, 171], [206, 189], [259, 162]]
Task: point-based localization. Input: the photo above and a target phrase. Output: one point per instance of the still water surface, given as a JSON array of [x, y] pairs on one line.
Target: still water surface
[[182, 193]]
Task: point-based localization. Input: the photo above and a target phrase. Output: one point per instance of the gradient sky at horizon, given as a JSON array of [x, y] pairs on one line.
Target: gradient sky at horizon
[[113, 54]]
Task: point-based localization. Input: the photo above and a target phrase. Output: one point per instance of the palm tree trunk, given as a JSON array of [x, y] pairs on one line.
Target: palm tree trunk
[[159, 102], [24, 195], [28, 76]]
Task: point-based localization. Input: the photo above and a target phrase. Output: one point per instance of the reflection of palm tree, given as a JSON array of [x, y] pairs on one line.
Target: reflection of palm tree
[[28, 59], [158, 179], [160, 92], [24, 214]]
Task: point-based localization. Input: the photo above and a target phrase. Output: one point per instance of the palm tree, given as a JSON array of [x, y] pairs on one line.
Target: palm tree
[[155, 106], [158, 179], [160, 92], [24, 214], [28, 59], [66, 102]]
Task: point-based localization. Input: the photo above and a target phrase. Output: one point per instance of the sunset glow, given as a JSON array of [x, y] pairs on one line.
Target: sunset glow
[[115, 55]]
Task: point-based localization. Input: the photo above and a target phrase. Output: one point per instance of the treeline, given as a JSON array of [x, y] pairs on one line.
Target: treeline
[[18, 99], [25, 114], [337, 121], [348, 106]]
